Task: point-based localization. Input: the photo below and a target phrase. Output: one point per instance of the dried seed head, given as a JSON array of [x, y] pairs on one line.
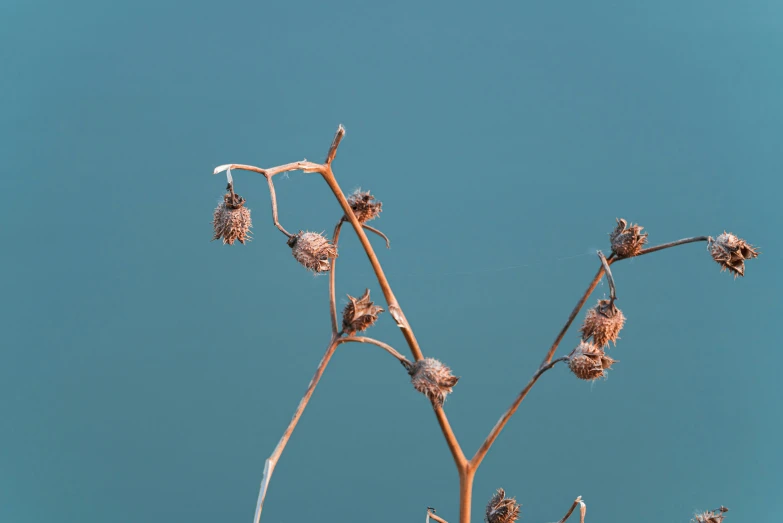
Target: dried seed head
[[603, 322], [312, 250], [589, 362], [364, 205], [359, 314], [709, 516], [627, 241], [433, 379], [731, 252], [501, 509], [231, 220]]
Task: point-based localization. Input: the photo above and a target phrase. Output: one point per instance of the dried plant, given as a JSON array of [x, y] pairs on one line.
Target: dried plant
[[588, 361]]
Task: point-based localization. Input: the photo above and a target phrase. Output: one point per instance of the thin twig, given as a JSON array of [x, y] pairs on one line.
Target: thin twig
[[431, 515], [576, 502], [672, 244], [273, 197], [272, 460], [338, 137], [388, 348], [332, 297], [379, 233], [482, 451], [609, 277]]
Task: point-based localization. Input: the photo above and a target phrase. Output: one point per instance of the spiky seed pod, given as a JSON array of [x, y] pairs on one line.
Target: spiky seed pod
[[433, 379], [231, 220], [312, 250], [364, 205], [501, 509], [589, 362], [731, 252], [627, 241], [709, 516], [603, 322], [360, 314]]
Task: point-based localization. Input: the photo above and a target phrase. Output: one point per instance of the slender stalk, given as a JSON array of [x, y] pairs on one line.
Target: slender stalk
[[272, 460], [495, 432], [576, 502], [379, 233], [387, 348], [332, 297], [273, 197], [663, 246], [609, 277], [431, 515]]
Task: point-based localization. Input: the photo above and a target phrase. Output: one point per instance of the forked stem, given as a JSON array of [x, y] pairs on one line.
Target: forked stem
[[432, 516], [388, 348], [609, 277], [576, 502]]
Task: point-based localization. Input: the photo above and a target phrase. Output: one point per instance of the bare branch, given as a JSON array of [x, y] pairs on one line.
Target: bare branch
[[388, 348], [338, 137], [332, 297], [273, 197], [379, 233], [482, 451], [431, 515], [272, 460], [609, 277], [577, 501], [673, 244]]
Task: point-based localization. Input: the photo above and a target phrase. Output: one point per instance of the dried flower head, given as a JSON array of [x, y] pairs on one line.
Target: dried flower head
[[731, 252], [312, 250], [603, 322], [364, 205], [710, 516], [627, 241], [589, 362], [501, 509], [433, 379], [360, 314], [231, 220]]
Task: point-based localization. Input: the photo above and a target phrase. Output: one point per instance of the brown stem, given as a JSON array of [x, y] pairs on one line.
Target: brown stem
[[332, 297], [571, 510], [272, 460], [466, 476], [394, 308], [609, 277], [387, 348], [379, 233], [273, 197], [431, 515], [672, 244], [482, 451], [338, 137]]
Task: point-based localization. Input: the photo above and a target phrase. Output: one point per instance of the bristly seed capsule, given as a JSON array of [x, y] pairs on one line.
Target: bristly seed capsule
[[359, 315], [312, 250], [231, 220], [731, 252], [433, 379], [589, 362], [627, 241], [603, 322], [364, 205], [501, 509]]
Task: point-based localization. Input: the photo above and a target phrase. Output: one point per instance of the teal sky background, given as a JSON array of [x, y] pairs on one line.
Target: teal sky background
[[146, 373]]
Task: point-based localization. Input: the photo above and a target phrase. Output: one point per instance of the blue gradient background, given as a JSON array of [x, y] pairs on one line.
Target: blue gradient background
[[146, 373]]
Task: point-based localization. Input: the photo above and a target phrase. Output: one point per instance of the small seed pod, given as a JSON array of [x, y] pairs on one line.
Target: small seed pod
[[709, 516], [731, 252], [603, 322], [589, 362], [312, 250], [364, 205], [433, 379], [627, 241], [231, 220], [359, 314], [501, 509]]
